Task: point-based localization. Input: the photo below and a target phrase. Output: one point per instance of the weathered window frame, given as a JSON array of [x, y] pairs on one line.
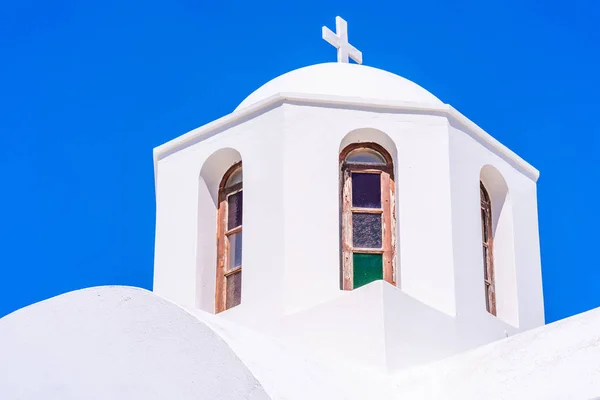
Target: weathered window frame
[[223, 235], [388, 211], [487, 241]]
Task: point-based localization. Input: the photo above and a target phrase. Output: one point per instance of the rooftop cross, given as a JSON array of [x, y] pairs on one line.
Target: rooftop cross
[[339, 40]]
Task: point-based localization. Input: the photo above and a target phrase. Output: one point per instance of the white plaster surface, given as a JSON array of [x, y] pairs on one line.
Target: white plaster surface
[[117, 343], [343, 79], [185, 255], [127, 343], [291, 234], [517, 255], [554, 362]]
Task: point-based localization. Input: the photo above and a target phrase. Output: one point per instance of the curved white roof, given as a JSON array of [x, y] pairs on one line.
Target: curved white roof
[[343, 79]]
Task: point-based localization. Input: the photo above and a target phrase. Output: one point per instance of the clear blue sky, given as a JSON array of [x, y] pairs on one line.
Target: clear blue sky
[[89, 88]]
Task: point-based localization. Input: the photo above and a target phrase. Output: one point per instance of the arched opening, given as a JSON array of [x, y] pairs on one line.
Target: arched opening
[[212, 173], [370, 135], [498, 258], [367, 231]]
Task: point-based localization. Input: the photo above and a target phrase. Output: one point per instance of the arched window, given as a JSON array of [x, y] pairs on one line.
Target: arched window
[[368, 215], [229, 240], [487, 243]]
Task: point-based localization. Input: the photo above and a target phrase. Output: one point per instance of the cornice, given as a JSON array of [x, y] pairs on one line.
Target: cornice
[[242, 115]]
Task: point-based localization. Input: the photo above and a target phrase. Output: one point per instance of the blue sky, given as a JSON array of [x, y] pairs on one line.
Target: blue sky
[[88, 89]]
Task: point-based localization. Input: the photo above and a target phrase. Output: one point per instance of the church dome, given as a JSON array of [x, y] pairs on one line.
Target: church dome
[[343, 79]]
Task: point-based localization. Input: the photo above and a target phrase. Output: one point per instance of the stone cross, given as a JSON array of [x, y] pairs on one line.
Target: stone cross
[[339, 40]]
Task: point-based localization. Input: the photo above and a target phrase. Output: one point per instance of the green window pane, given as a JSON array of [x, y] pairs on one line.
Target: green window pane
[[367, 268]]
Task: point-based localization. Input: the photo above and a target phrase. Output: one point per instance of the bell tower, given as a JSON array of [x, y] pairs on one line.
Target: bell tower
[[368, 221]]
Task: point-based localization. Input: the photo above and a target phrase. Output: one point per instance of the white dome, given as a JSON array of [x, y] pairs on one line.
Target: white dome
[[342, 79]]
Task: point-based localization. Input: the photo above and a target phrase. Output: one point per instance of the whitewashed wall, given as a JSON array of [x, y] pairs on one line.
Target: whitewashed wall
[[554, 362], [291, 264], [419, 147], [185, 248], [117, 343], [517, 251]]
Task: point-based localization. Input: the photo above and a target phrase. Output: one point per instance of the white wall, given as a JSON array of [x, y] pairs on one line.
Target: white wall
[[185, 248], [503, 246], [117, 343], [517, 252], [295, 172], [313, 138], [554, 362], [211, 175], [291, 259]]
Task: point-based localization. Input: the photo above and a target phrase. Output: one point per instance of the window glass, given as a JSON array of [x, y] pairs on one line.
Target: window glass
[[235, 178], [367, 200], [230, 212], [366, 230], [367, 268], [486, 236], [235, 250], [234, 210], [484, 232], [234, 290], [485, 263], [365, 156], [366, 190]]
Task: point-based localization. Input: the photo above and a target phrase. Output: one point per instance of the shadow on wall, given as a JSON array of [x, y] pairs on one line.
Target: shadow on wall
[[503, 245], [211, 173]]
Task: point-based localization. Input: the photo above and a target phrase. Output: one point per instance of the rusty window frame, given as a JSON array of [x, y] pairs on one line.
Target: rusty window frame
[[223, 235], [387, 210], [487, 241]]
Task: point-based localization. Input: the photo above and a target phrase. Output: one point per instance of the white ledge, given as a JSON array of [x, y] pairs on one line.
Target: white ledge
[[243, 114]]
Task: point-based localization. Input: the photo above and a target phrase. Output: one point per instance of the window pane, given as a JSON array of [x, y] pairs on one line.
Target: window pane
[[367, 268], [366, 190], [483, 194], [234, 290], [485, 263], [236, 177], [234, 210], [235, 250], [366, 230], [483, 226], [365, 156], [483, 235]]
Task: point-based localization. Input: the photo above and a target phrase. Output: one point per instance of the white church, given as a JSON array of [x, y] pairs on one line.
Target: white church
[[342, 234]]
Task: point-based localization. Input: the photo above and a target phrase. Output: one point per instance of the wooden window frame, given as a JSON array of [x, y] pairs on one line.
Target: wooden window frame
[[387, 210], [487, 241], [223, 238]]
